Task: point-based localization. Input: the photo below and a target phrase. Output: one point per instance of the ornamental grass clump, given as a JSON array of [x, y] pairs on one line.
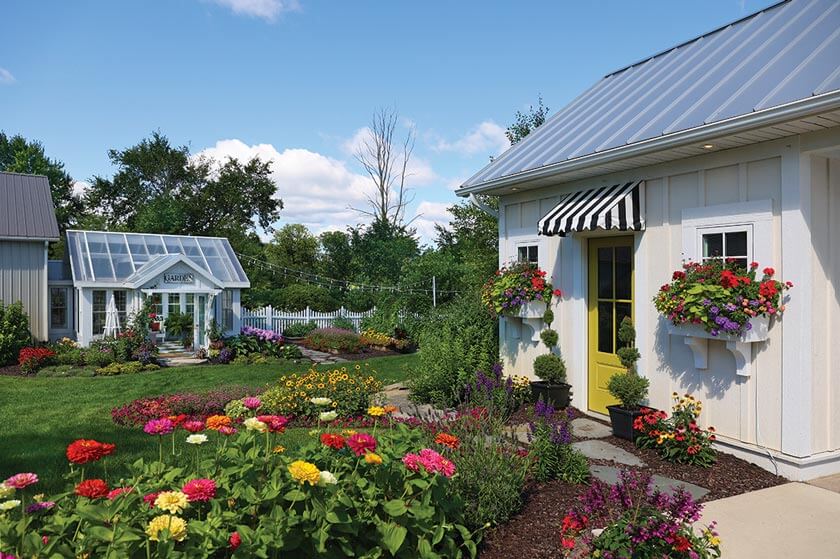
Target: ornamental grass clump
[[721, 296], [631, 520], [677, 438]]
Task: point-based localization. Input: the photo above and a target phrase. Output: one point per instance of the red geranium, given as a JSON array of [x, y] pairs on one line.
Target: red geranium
[[92, 489], [768, 289], [82, 451], [538, 283], [769, 271], [333, 441], [678, 275], [234, 541]]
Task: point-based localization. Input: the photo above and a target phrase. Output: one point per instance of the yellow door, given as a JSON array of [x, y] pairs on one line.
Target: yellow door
[[610, 300]]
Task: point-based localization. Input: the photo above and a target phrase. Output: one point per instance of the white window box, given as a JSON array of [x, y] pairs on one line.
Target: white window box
[[697, 338], [531, 309], [530, 315]]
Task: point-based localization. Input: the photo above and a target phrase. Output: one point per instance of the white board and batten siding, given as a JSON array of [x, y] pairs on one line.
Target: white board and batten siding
[[23, 277], [789, 189], [277, 320]]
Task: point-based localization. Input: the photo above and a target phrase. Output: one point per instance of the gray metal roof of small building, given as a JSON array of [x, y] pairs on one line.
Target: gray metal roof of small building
[[787, 52], [26, 207]]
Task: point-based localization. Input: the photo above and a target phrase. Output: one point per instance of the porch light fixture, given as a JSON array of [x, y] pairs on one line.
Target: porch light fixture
[[708, 146]]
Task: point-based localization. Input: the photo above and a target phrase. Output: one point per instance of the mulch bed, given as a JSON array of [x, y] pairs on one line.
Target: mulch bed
[[534, 533], [12, 371]]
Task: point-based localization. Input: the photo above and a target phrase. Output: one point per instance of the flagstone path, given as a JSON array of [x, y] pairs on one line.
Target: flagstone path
[[321, 357]]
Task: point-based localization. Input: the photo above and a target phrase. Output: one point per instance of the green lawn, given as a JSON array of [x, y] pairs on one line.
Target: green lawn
[[40, 416]]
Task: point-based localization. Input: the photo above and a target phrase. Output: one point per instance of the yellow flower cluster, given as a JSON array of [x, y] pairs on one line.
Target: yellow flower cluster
[[372, 337], [687, 403], [177, 527], [293, 394], [521, 381], [376, 411], [172, 501]]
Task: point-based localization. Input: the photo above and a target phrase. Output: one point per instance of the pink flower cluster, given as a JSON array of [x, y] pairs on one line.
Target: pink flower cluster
[[201, 489], [162, 426], [361, 443], [22, 481], [430, 461]]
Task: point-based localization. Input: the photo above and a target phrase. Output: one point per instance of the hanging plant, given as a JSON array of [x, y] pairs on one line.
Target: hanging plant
[[516, 285]]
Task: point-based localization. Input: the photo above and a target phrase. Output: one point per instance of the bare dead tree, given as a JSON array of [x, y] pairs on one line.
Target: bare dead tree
[[386, 160]]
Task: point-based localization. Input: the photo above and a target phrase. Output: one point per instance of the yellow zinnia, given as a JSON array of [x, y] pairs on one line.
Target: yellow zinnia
[[171, 501], [177, 527], [376, 411], [305, 472], [279, 449], [372, 458]]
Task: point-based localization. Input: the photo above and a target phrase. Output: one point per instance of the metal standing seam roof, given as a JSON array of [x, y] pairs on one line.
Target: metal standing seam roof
[[113, 258], [787, 52], [26, 207]]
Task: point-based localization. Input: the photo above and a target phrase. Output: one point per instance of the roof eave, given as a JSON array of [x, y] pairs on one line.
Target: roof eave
[[734, 125], [33, 239]]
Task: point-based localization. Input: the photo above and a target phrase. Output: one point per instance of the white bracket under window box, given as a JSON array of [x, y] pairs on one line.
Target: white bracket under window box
[[531, 314], [697, 338]]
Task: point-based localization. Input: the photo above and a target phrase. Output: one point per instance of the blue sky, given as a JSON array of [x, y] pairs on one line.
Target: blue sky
[[295, 81]]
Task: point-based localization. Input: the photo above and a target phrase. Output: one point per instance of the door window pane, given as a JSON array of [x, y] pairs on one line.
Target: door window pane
[[58, 307], [623, 272], [605, 327], [621, 310], [189, 298], [98, 311], [605, 273]]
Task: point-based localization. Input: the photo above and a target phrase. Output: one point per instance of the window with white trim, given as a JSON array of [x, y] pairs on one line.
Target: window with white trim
[[227, 310], [730, 243], [58, 307], [528, 253]]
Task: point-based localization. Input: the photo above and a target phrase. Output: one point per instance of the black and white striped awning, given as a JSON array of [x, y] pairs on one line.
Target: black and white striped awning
[[620, 206]]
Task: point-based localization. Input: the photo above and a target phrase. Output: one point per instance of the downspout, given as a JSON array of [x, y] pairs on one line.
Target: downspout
[[484, 207]]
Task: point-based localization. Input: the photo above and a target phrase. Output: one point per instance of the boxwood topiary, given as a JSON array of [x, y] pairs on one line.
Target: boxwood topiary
[[550, 368], [549, 337]]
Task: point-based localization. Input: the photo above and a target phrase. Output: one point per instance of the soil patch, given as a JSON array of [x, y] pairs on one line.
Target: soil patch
[[12, 371]]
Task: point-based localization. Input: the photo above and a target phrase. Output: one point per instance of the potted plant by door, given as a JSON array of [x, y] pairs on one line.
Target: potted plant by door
[[551, 370], [628, 388]]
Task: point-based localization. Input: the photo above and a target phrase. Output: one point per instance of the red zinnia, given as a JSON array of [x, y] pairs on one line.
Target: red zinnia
[[235, 540], [92, 489], [333, 441], [151, 498], [361, 443], [114, 493], [82, 451], [275, 423], [199, 489], [193, 426]]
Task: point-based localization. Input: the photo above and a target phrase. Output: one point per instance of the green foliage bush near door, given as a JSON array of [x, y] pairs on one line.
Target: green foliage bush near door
[[14, 332]]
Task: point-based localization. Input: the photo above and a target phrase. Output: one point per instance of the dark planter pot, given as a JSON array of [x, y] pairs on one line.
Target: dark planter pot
[[622, 422], [555, 394], [155, 326]]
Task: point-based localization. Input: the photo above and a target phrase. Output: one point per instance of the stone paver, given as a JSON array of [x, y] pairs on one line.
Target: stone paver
[[602, 450], [181, 361], [609, 474], [321, 357], [397, 395], [584, 428], [832, 483], [790, 520]]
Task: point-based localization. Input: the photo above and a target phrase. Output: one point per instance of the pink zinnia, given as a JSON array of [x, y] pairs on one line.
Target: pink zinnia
[[431, 461], [276, 423], [21, 481], [114, 493], [162, 426], [361, 443], [227, 430], [251, 402], [202, 489], [193, 426], [151, 498], [411, 461]]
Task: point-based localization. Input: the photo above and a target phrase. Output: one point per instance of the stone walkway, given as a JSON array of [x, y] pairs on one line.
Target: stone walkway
[[321, 357]]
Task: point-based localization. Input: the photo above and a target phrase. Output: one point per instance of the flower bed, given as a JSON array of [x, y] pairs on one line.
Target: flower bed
[[232, 490], [196, 405], [512, 287], [721, 296], [678, 438], [351, 390], [334, 340]]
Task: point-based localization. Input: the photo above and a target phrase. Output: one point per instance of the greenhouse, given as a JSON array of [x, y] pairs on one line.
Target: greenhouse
[[107, 276]]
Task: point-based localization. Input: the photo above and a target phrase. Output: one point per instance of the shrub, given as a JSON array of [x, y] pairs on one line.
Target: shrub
[[299, 329], [247, 500], [100, 353], [129, 368], [549, 337], [74, 356], [637, 521], [550, 368], [333, 339], [290, 352], [552, 454], [30, 359], [343, 323], [14, 332], [456, 341], [256, 340], [629, 388], [179, 325], [351, 390], [678, 438], [298, 296]]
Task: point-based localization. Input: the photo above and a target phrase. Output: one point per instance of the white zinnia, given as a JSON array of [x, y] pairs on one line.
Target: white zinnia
[[254, 424], [327, 478], [321, 401], [6, 491], [9, 505], [328, 416], [197, 439]]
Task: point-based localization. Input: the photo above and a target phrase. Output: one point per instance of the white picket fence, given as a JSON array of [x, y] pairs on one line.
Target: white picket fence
[[269, 318]]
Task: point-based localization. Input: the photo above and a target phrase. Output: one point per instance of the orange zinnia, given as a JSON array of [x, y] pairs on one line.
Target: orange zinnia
[[446, 439], [216, 422]]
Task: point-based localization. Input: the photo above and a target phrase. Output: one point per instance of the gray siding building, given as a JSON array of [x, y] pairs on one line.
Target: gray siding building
[[27, 225]]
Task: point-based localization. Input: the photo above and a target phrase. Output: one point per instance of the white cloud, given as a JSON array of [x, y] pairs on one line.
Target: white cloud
[[268, 10], [488, 137], [80, 188], [428, 215], [316, 190], [6, 77]]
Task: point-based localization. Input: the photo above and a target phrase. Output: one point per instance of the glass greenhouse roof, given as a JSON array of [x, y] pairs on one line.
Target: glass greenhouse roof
[[109, 257]]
